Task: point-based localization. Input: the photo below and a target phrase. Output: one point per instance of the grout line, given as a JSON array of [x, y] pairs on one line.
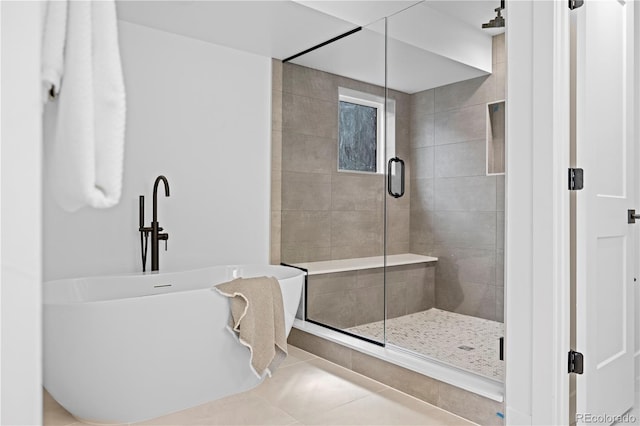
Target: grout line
[[282, 367], [272, 405]]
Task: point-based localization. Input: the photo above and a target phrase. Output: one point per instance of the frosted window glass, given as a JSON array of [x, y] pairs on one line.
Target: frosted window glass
[[358, 143]]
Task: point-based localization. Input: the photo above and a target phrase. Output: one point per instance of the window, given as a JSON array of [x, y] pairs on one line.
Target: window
[[361, 132]]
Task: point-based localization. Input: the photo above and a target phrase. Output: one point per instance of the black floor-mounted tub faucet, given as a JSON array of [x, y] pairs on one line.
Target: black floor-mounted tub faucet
[[155, 229]]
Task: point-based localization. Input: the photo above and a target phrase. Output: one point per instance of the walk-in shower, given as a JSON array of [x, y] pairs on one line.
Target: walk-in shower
[[393, 172]]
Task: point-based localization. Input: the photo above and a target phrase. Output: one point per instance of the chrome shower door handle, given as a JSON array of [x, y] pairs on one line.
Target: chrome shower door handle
[[395, 170]]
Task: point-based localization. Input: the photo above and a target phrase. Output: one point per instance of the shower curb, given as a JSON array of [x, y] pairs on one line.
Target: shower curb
[[466, 404]]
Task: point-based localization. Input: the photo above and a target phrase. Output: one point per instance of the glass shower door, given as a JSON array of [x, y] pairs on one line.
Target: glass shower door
[[444, 227]]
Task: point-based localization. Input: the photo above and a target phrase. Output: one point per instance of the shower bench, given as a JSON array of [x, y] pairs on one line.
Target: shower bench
[[346, 293]]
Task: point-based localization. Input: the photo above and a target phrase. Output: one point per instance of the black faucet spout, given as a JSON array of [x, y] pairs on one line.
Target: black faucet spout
[[156, 235], [155, 194]]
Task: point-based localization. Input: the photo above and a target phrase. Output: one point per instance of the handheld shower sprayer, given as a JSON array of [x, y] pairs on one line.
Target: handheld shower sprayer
[[144, 234]]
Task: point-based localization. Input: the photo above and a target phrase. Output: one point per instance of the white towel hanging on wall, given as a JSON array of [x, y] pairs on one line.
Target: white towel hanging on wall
[[55, 28], [85, 160]]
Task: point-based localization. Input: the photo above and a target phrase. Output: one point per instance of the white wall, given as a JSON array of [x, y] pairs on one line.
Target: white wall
[[518, 291], [21, 214], [199, 114]]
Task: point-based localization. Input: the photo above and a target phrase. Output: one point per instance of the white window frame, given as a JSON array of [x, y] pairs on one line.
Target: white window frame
[[386, 140]]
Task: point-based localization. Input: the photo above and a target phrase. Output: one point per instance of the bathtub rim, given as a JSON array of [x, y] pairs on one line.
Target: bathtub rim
[[47, 285]]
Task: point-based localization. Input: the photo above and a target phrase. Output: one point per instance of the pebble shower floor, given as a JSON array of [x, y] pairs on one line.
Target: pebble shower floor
[[460, 340]]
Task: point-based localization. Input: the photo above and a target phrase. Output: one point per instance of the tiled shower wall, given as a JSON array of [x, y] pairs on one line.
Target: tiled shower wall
[[457, 211], [451, 210], [328, 214]]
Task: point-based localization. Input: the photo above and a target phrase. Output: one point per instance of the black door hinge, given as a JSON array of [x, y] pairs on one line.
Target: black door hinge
[[501, 349], [576, 362], [576, 179], [574, 4]]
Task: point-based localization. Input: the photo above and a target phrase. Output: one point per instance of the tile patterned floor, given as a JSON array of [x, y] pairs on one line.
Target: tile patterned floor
[[305, 390], [464, 341]]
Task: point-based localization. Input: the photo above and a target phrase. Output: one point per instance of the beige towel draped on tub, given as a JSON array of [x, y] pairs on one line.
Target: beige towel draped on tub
[[257, 318]]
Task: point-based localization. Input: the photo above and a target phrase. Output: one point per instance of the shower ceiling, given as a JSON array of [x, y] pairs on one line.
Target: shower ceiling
[[426, 48], [441, 36], [471, 12]]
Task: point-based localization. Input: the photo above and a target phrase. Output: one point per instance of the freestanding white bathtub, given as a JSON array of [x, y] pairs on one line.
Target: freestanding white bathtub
[[121, 349]]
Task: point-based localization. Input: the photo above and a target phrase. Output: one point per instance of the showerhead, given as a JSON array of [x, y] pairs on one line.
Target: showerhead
[[498, 21]]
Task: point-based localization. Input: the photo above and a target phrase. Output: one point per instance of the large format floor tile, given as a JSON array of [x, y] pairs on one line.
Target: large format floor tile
[[241, 409], [388, 407], [314, 387], [305, 390]]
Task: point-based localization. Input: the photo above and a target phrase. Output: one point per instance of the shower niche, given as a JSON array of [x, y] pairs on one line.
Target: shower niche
[[495, 137], [418, 269]]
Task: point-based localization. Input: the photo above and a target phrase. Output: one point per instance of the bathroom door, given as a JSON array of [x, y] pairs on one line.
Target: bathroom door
[[604, 239]]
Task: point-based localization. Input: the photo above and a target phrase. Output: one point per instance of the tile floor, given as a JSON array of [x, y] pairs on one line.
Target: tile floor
[[464, 341], [306, 390]]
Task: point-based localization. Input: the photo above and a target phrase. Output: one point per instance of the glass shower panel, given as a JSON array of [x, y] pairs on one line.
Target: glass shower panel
[[333, 180], [444, 249]]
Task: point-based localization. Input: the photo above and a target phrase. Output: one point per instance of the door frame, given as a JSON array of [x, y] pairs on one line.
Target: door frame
[[537, 314], [636, 135], [537, 253]]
